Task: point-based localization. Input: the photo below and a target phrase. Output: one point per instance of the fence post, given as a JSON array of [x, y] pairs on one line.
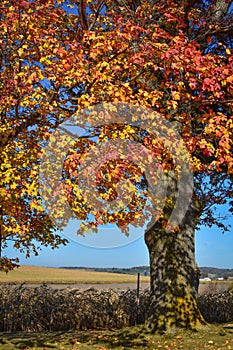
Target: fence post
[[137, 299], [138, 286]]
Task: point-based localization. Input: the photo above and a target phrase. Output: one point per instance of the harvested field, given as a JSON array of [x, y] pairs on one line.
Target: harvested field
[[39, 275], [34, 276], [98, 286], [204, 288]]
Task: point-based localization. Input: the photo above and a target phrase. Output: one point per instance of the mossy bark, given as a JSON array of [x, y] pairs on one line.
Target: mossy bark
[[174, 275]]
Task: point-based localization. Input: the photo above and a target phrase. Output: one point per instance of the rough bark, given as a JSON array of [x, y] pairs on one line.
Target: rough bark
[[222, 7], [174, 275]]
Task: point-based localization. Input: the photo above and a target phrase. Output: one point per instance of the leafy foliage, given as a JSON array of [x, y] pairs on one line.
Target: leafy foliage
[[152, 55]]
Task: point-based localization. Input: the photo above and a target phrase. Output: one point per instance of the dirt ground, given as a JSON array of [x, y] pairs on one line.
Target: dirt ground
[[83, 286], [204, 288], [213, 287]]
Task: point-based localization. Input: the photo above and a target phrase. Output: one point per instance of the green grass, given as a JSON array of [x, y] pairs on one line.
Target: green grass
[[39, 275], [212, 337]]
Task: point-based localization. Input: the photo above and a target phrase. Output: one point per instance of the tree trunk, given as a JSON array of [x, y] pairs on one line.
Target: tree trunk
[[174, 275]]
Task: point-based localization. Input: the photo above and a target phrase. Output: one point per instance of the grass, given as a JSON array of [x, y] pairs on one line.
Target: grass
[[39, 275], [213, 337]]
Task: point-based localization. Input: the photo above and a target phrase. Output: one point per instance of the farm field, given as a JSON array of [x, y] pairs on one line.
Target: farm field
[[83, 279], [210, 337], [40, 275]]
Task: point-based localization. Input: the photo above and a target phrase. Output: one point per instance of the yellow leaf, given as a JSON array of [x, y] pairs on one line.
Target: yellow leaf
[[176, 96], [13, 186], [105, 64], [20, 51]]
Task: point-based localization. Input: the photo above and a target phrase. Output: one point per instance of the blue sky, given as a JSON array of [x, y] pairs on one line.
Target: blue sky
[[212, 249]]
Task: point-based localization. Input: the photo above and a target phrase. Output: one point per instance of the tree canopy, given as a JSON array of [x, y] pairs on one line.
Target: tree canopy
[[175, 61]]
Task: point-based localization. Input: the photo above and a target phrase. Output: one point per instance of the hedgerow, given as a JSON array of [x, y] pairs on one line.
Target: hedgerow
[[43, 308]]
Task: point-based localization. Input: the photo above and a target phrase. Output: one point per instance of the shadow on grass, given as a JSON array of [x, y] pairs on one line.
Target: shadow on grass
[[127, 338], [211, 337], [29, 340]]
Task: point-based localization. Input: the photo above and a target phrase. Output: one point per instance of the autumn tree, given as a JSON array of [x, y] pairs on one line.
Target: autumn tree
[[122, 70], [176, 60]]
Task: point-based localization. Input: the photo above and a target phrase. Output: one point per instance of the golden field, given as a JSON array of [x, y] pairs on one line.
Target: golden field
[[38, 275]]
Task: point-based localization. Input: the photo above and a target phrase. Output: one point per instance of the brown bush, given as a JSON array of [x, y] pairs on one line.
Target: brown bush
[[217, 307], [45, 309]]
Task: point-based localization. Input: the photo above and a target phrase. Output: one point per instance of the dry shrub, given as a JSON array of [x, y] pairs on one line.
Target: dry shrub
[[45, 309], [217, 307]]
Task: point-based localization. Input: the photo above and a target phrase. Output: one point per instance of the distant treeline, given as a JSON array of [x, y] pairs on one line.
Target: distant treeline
[[214, 271], [145, 270]]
